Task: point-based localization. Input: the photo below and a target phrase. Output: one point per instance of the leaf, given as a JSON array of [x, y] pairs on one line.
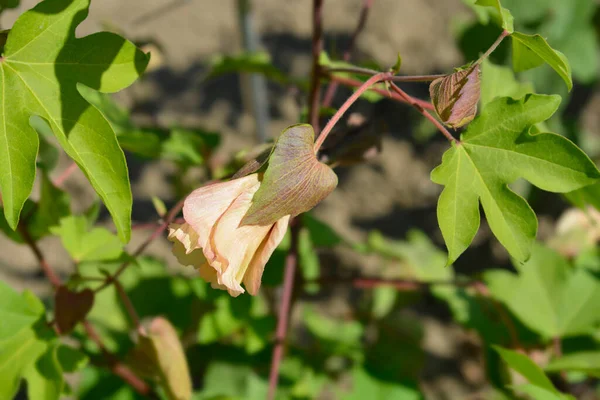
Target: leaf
[[294, 182], [24, 338], [584, 196], [188, 147], [587, 362], [496, 149], [45, 376], [367, 386], [308, 260], [71, 308], [8, 4], [321, 234], [526, 367], [499, 81], [547, 296], [54, 204], [44, 63], [71, 359], [501, 15], [455, 96], [259, 62], [530, 51], [160, 353], [82, 244]]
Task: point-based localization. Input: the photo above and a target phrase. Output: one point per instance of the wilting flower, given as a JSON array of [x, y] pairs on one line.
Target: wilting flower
[[212, 239]]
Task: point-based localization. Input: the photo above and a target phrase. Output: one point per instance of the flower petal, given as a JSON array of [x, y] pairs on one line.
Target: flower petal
[[204, 206], [184, 234], [235, 245], [253, 275]]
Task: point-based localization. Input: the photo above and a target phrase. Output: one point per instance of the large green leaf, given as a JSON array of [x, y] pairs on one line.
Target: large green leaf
[[530, 51], [41, 68], [495, 150], [547, 295]]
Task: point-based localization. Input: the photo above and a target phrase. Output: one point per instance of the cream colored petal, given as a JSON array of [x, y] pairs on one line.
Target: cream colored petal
[[235, 245], [254, 273], [184, 234], [204, 206], [195, 258]]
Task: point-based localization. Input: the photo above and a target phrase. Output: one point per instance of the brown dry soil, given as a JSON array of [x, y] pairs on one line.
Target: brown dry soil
[[392, 193]]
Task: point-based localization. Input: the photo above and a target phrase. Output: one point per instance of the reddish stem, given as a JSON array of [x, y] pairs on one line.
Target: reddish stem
[[424, 112], [347, 104], [315, 81], [48, 271], [60, 180], [157, 232], [135, 319], [489, 51], [356, 83], [291, 262], [362, 19], [115, 365]]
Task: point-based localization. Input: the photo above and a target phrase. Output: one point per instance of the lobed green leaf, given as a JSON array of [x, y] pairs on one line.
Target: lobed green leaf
[[497, 149], [45, 63]]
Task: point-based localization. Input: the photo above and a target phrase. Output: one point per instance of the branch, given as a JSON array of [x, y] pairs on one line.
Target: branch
[[291, 262], [356, 83], [135, 319], [362, 19], [347, 104], [424, 112], [117, 367], [60, 180], [489, 51], [48, 271], [157, 232], [315, 81]]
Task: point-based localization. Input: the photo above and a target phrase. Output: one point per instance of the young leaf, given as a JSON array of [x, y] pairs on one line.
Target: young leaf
[[54, 204], [497, 149], [97, 244], [71, 308], [530, 51], [43, 63], [294, 182], [455, 96]]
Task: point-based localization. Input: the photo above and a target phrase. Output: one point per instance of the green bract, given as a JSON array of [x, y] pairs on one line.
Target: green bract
[[41, 68], [497, 149], [294, 182]]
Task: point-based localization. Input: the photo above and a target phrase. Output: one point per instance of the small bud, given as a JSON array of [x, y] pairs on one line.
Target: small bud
[[455, 96]]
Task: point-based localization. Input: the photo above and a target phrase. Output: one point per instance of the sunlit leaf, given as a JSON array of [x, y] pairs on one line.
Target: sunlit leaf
[[82, 244], [44, 63], [587, 362], [530, 51], [495, 150]]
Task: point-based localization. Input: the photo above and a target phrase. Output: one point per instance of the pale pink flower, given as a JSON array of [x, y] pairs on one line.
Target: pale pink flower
[[212, 240]]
